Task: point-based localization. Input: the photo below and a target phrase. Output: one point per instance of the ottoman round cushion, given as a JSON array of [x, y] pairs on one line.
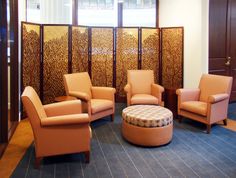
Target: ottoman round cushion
[[147, 125], [147, 116]]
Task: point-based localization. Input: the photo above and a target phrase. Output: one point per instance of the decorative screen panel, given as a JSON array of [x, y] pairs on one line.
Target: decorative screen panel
[[126, 56], [150, 51], [55, 61], [172, 58], [79, 49], [102, 57], [31, 56]]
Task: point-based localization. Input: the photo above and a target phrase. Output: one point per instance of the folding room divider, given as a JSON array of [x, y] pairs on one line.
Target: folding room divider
[[106, 53]]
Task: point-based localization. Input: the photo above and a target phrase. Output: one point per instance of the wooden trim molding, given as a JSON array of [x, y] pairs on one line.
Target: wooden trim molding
[[3, 76]]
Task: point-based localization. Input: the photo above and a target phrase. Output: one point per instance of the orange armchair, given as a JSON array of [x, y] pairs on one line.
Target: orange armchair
[[208, 103], [58, 128], [98, 102], [141, 89]]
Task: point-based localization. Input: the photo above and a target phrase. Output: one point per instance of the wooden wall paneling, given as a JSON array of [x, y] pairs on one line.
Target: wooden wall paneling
[[102, 56], [55, 60], [126, 57], [79, 49], [150, 48]]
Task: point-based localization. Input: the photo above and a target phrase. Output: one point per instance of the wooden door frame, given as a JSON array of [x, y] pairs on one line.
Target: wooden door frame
[[5, 133], [14, 80], [3, 77]]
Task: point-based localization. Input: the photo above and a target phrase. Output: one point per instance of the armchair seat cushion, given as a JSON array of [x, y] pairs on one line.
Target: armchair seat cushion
[[144, 99], [98, 105], [196, 107]]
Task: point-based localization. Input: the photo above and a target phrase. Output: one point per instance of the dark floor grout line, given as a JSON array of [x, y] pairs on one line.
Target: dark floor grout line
[[158, 161], [125, 151], [28, 165], [137, 151], [82, 171], [205, 158], [94, 162], [184, 162], [55, 166], [174, 137], [117, 157], [103, 155], [174, 165], [148, 166], [200, 139]]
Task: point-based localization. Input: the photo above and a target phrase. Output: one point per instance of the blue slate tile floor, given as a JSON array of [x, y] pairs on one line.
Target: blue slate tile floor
[[191, 153]]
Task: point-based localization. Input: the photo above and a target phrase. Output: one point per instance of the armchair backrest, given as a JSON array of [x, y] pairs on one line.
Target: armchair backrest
[[214, 84], [140, 81], [33, 106], [78, 82]]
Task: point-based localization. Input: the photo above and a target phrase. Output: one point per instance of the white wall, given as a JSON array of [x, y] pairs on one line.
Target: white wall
[[193, 16]]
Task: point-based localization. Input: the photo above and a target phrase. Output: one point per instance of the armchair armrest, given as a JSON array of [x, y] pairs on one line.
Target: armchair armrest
[[127, 89], [188, 94], [63, 108], [80, 95], [217, 98], [103, 93], [157, 90], [65, 120]]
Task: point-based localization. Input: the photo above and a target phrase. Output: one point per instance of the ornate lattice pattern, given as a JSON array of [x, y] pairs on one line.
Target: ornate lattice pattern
[[126, 56], [172, 58], [55, 56], [79, 49], [151, 51], [31, 56], [102, 56]]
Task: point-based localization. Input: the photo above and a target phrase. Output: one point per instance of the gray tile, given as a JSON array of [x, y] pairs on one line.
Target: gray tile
[[192, 153]]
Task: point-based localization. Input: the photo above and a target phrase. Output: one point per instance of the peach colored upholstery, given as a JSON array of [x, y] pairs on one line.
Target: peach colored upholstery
[[98, 102], [207, 104], [58, 128], [141, 89], [147, 125]]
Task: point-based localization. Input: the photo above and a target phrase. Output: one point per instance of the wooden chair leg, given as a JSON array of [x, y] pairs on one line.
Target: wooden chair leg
[[87, 156], [208, 129], [112, 117], [37, 162], [225, 122]]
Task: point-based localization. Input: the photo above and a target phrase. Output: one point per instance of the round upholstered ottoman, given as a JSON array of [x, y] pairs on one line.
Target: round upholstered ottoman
[[147, 125]]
